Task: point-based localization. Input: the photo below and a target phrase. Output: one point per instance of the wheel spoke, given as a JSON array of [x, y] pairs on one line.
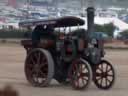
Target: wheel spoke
[[37, 73], [76, 83], [102, 68], [101, 82], [84, 79], [109, 69], [43, 64], [84, 74], [43, 74], [31, 59], [80, 68], [99, 78], [84, 68], [106, 81], [31, 71], [76, 68], [35, 79], [110, 75], [106, 68], [73, 69], [30, 66], [36, 54], [44, 59], [39, 57], [98, 74]]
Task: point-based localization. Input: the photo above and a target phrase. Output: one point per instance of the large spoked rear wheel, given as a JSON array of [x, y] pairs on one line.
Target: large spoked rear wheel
[[104, 75], [80, 74], [39, 67]]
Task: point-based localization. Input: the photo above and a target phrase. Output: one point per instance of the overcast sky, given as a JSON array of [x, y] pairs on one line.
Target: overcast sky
[[102, 3]]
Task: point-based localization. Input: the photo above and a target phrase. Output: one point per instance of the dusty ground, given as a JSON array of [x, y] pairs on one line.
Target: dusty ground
[[12, 72]]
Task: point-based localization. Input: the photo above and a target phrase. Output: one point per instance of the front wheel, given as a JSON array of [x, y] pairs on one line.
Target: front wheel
[[80, 74], [104, 75]]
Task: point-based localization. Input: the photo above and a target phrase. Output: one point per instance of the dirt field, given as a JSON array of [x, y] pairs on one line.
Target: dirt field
[[12, 72]]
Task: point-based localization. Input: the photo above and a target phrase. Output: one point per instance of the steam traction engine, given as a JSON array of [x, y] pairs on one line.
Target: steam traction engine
[[75, 57]]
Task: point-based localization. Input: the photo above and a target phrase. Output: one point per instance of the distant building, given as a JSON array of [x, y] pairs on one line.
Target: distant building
[[12, 3], [40, 2]]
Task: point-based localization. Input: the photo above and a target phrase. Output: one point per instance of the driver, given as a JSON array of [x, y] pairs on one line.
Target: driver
[[43, 31]]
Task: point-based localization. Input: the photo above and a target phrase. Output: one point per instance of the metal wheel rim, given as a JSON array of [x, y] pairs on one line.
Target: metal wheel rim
[[80, 73], [104, 76]]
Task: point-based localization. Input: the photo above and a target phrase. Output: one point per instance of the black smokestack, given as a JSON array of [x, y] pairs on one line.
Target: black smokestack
[[90, 19]]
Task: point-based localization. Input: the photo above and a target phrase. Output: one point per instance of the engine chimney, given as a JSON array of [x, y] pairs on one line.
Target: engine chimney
[[90, 19]]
